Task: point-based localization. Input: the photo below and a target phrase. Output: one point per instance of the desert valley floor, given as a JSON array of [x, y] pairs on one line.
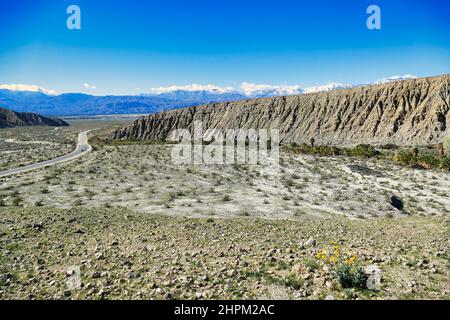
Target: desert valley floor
[[139, 226]]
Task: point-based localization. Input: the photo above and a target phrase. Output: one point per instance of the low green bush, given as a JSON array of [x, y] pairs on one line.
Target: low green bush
[[405, 157], [364, 150], [429, 160], [350, 276], [445, 163], [425, 160]]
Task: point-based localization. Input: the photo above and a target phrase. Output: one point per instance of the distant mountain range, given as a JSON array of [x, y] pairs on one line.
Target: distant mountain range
[[82, 104], [160, 99]]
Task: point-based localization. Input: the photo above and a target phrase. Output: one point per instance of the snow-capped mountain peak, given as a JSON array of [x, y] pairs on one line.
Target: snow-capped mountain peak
[[395, 78], [192, 88], [27, 88], [211, 92], [265, 90], [328, 87], [197, 93]]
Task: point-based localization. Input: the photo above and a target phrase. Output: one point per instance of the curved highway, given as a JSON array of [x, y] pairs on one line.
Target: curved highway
[[83, 147]]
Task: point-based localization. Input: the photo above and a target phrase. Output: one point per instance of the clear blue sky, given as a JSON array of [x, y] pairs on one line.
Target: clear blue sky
[[125, 45]]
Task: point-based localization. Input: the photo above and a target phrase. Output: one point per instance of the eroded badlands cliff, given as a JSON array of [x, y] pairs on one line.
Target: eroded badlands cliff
[[403, 113]]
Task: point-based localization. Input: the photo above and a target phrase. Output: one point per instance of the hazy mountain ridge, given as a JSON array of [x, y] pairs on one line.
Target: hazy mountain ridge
[[80, 104], [10, 118], [406, 112]]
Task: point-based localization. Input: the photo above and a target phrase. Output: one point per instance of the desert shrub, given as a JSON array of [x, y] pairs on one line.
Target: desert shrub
[[343, 265], [396, 202], [445, 163], [350, 276], [327, 151], [77, 203], [293, 176], [226, 198], [6, 277], [424, 159], [16, 201], [244, 213], [389, 147], [428, 161], [365, 150], [440, 149], [39, 203], [362, 150], [293, 282], [288, 182], [405, 157], [312, 264]]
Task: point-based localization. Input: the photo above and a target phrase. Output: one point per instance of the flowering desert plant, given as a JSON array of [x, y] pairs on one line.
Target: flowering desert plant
[[343, 265]]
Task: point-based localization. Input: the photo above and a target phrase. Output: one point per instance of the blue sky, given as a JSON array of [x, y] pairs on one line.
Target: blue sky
[[127, 47]]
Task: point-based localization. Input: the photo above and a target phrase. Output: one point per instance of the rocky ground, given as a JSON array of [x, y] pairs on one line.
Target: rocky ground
[[136, 225], [143, 178], [126, 254]]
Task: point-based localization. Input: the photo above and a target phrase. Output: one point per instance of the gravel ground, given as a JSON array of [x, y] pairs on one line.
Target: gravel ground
[[126, 254], [143, 178], [125, 222]]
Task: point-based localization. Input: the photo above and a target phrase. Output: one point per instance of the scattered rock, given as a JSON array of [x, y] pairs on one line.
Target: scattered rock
[[38, 226], [374, 277], [396, 202], [311, 242], [114, 243]]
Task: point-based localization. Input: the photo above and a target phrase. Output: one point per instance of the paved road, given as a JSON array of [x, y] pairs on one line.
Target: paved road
[[83, 147]]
